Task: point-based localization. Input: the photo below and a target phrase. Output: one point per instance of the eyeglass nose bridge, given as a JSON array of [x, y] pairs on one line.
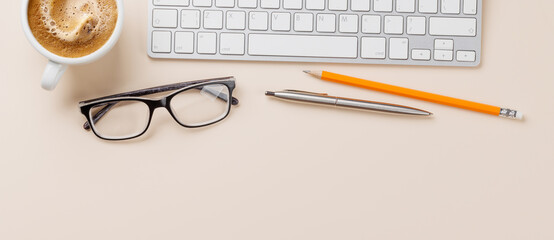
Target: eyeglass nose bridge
[[161, 103]]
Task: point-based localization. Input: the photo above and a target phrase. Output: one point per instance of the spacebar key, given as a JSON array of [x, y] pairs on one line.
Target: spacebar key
[[302, 46]]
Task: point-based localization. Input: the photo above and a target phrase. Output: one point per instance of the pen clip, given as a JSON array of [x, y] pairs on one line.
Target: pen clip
[[305, 92]]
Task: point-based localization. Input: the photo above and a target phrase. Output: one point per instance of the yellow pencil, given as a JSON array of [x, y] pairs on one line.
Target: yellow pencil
[[425, 96]]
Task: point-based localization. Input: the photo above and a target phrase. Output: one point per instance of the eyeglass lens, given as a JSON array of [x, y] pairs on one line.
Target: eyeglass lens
[[201, 106], [124, 119]]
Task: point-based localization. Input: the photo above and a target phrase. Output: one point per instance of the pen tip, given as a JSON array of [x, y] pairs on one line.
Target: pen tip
[[307, 71], [268, 93]]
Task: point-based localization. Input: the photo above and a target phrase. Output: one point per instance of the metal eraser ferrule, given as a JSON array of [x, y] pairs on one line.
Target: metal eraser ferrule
[[509, 113]]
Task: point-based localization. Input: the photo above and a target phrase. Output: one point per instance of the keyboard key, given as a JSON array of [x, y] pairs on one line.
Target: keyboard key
[[340, 5], [360, 5], [382, 5], [398, 48], [183, 3], [213, 19], [465, 56], [315, 4], [303, 22], [326, 22], [292, 4], [164, 18], [450, 6], [470, 7], [348, 23], [302, 46], [236, 20], [374, 48], [161, 41], [439, 26], [248, 3], [416, 25], [280, 21], [207, 43], [225, 3], [421, 54], [443, 55], [405, 6], [184, 42], [428, 6], [202, 3], [258, 21], [371, 24], [444, 44], [231, 43], [190, 19], [394, 24], [270, 4]]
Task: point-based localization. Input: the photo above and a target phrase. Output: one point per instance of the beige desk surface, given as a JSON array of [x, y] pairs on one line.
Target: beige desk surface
[[276, 170]]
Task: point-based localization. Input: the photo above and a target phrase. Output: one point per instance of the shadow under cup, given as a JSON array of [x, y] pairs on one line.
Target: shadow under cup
[[57, 65]]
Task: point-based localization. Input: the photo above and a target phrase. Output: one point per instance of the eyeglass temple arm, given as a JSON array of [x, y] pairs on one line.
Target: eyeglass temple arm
[[149, 91], [165, 88]]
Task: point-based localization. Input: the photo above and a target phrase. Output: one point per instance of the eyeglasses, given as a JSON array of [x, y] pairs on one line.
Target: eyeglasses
[[192, 104]]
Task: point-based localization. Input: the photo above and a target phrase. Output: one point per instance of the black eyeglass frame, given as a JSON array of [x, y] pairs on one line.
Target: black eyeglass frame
[[153, 104]]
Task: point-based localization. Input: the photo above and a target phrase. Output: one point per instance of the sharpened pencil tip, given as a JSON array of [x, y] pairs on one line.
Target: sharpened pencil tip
[[314, 73], [268, 93]]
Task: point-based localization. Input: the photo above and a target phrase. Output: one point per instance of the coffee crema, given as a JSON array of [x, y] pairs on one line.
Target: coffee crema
[[72, 28]]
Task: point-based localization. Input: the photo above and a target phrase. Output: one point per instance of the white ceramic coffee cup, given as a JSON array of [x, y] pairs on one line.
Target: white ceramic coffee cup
[[57, 64]]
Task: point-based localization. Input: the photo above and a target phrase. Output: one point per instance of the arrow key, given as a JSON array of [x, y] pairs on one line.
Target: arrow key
[[421, 54], [466, 56]]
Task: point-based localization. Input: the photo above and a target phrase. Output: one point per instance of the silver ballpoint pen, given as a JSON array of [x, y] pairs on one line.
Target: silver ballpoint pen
[[324, 99]]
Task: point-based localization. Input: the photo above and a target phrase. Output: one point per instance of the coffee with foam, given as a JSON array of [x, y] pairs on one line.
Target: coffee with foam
[[72, 28]]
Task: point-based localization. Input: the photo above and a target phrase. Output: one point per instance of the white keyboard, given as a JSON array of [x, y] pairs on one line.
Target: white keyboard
[[411, 32]]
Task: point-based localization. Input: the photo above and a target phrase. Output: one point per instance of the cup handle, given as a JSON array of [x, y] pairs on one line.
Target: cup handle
[[52, 75]]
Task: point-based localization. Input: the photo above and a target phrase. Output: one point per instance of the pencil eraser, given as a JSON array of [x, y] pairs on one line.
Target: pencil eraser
[[519, 115]]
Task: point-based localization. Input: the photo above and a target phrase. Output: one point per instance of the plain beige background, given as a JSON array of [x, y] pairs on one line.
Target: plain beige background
[[277, 170]]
